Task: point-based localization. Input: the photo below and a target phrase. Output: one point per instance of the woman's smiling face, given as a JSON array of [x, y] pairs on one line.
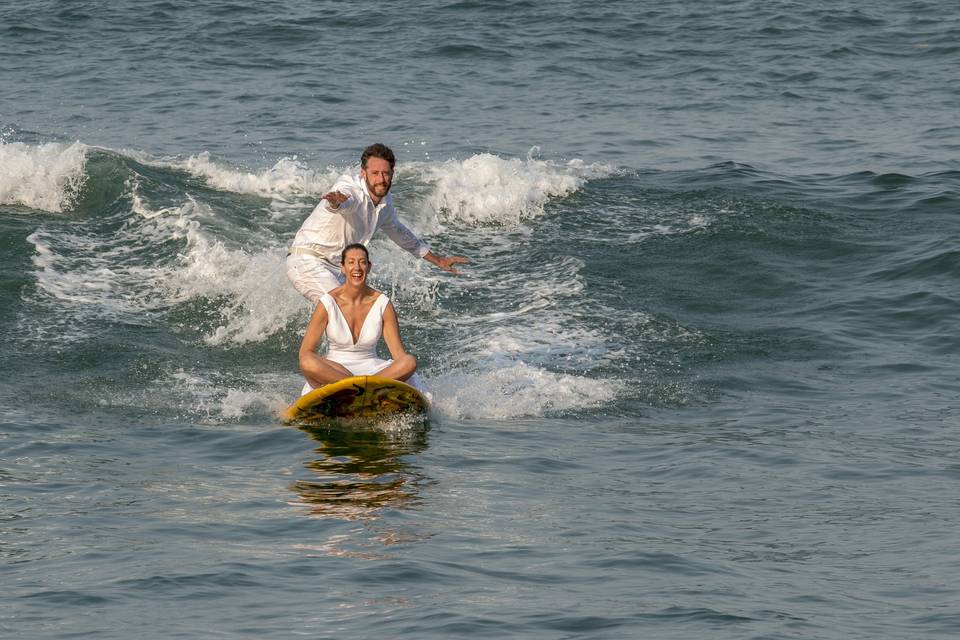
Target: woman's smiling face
[[355, 266]]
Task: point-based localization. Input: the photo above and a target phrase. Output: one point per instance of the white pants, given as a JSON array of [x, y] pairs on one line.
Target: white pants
[[313, 277]]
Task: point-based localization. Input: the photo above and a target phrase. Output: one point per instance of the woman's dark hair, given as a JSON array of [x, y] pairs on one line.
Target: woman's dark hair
[[355, 245], [378, 150]]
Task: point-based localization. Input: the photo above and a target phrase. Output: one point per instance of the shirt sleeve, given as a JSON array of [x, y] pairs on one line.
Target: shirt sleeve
[[396, 231], [350, 205]]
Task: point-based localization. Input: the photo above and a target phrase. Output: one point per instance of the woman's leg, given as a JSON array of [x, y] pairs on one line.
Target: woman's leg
[[320, 371]]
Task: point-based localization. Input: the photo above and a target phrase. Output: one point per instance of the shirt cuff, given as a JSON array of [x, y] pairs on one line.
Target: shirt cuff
[[339, 211]]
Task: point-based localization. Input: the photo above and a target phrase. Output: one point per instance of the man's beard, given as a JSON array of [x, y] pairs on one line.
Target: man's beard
[[380, 191]]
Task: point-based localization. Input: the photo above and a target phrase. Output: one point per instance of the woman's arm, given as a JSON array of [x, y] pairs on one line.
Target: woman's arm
[[314, 334], [391, 332], [316, 369], [404, 364]]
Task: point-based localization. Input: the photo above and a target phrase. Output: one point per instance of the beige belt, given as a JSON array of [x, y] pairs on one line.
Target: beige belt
[[306, 251]]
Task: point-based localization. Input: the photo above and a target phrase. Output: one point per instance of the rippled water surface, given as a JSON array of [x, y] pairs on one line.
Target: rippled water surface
[[698, 380]]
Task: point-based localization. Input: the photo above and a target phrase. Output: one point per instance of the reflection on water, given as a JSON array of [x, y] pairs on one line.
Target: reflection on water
[[360, 470]]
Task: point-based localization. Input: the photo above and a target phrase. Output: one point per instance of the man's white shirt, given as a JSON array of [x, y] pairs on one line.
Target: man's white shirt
[[327, 231]]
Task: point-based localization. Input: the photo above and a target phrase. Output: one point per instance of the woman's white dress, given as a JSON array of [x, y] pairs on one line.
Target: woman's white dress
[[360, 357]]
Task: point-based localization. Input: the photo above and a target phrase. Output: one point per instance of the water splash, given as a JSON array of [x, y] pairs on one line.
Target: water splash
[[46, 177], [516, 391], [487, 189], [288, 177]]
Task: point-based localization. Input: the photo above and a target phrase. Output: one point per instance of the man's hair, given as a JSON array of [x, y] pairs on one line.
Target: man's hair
[[378, 150], [355, 245]]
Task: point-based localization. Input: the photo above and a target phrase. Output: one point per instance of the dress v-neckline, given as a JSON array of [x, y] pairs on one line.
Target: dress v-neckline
[[363, 324]]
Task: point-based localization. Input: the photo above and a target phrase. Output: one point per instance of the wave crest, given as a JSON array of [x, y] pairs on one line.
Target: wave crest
[[489, 189], [47, 177], [288, 177]]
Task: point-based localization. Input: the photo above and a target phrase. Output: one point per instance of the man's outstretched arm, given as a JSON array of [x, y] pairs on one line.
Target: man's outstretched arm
[[445, 262]]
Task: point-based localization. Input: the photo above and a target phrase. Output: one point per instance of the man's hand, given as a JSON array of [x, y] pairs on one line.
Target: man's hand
[[445, 262], [335, 198]]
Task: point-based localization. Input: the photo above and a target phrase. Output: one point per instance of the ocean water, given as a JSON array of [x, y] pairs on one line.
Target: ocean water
[[699, 380]]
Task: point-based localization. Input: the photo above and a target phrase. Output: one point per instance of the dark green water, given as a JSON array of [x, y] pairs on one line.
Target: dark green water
[[699, 379]]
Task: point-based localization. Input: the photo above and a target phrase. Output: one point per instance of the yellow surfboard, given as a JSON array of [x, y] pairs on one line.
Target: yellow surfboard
[[357, 397]]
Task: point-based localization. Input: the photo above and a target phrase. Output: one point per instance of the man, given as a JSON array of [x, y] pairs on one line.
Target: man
[[351, 212]]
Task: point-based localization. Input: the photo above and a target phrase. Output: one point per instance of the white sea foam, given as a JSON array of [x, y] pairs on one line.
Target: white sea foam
[[45, 177], [288, 177], [257, 298], [678, 226], [237, 403], [223, 399], [97, 285], [502, 367], [518, 390], [109, 277], [216, 397], [124, 277], [542, 339], [506, 359], [488, 189], [401, 275]]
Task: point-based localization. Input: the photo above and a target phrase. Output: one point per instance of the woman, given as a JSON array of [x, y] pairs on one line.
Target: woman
[[353, 317]]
